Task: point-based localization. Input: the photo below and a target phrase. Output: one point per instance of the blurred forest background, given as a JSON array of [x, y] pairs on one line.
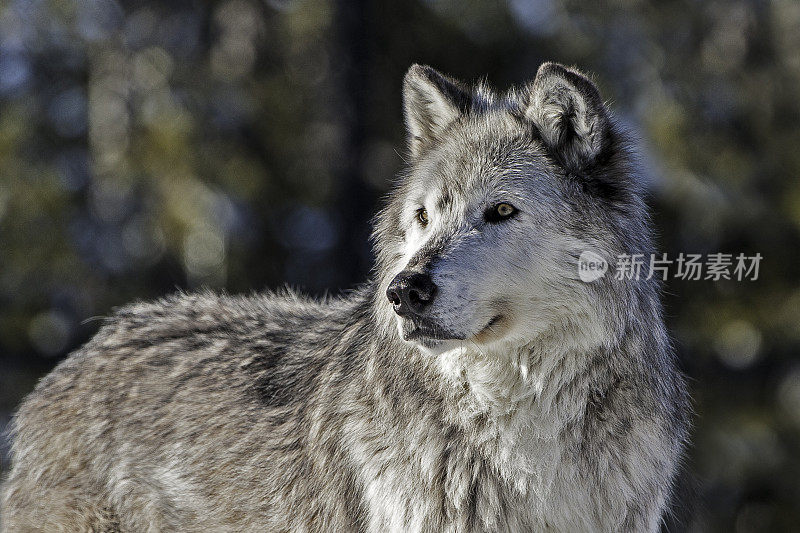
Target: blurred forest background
[[147, 146]]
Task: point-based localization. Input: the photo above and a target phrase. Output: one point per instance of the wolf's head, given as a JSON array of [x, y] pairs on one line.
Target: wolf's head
[[481, 240]]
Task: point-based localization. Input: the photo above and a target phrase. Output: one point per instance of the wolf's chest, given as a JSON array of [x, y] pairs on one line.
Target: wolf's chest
[[439, 484]]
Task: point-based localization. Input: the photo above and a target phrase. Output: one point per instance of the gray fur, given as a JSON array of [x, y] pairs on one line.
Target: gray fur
[[537, 402]]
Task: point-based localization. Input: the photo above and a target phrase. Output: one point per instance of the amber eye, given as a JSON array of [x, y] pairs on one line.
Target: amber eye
[[504, 210], [500, 212], [422, 216]]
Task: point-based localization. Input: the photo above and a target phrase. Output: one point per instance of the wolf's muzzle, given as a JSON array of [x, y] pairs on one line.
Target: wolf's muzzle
[[411, 293]]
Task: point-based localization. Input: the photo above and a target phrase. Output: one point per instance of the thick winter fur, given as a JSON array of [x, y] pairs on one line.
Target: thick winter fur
[[523, 399]]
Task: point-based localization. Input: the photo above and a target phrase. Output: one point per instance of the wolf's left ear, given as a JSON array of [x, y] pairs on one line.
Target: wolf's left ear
[[567, 109], [431, 102]]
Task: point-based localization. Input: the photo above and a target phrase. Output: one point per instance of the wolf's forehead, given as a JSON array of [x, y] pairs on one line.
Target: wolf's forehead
[[479, 164]]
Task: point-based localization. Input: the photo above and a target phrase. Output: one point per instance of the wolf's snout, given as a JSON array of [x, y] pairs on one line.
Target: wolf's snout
[[411, 292]]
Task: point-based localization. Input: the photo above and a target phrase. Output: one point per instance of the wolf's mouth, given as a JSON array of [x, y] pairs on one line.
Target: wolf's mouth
[[491, 323], [425, 332], [492, 329]]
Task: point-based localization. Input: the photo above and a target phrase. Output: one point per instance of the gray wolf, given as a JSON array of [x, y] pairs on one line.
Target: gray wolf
[[474, 383]]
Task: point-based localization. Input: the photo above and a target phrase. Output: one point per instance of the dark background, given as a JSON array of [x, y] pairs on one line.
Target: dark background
[[148, 146]]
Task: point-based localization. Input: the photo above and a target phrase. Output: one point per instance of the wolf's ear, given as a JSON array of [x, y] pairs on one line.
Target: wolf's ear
[[431, 102], [567, 109]]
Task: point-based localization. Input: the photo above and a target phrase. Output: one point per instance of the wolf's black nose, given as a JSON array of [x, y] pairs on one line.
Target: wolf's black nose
[[411, 292]]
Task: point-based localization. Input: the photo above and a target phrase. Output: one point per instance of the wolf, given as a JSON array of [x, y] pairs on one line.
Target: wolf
[[474, 383]]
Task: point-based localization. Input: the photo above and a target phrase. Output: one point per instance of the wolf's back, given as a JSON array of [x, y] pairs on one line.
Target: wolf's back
[[169, 401]]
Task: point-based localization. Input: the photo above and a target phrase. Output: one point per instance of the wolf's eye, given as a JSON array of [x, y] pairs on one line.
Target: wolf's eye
[[500, 212], [422, 216]]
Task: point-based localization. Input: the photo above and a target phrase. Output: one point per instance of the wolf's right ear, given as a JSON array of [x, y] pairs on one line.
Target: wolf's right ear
[[431, 102]]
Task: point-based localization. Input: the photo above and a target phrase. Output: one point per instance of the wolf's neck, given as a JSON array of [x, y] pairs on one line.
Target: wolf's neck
[[542, 385]]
